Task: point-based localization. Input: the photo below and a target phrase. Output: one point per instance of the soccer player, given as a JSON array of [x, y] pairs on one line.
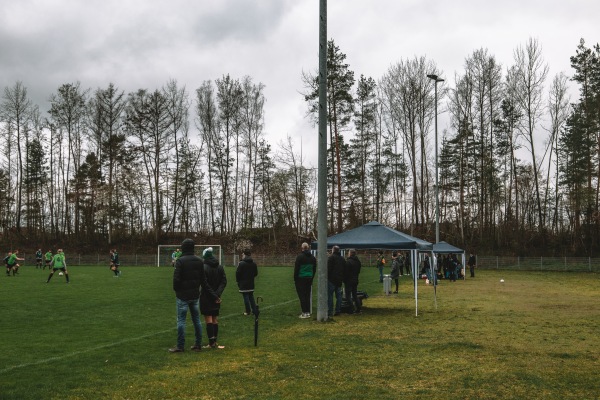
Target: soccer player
[[48, 259], [12, 263], [59, 263], [114, 263], [6, 262], [174, 257], [38, 259]]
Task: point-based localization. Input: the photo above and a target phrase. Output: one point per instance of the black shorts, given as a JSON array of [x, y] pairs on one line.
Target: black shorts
[[48, 262], [54, 269], [38, 259]]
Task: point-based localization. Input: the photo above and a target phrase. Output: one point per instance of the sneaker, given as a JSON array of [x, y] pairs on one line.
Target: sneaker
[[175, 350], [246, 313], [305, 315], [209, 346], [196, 348]]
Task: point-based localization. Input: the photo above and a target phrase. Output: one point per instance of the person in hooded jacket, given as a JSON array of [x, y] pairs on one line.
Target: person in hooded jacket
[[336, 264], [188, 277], [351, 274], [245, 273], [215, 275]]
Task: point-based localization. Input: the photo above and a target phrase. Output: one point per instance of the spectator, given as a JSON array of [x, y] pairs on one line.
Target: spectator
[[188, 277], [305, 269], [351, 274], [215, 275], [335, 277], [246, 271]]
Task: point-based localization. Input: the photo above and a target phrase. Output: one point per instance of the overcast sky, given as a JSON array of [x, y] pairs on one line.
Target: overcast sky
[[144, 43]]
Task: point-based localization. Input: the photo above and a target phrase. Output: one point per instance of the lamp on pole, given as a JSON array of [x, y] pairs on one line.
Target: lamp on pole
[[436, 79]]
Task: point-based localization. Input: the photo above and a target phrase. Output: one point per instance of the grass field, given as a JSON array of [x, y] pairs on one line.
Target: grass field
[[536, 336]]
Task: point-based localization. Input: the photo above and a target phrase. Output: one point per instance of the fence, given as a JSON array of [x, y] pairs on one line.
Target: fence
[[567, 264]]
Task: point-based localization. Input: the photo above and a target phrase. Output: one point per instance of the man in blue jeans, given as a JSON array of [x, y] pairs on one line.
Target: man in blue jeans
[[187, 279], [336, 264]]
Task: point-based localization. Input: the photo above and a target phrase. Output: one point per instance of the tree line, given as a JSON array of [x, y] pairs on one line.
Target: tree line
[[517, 167]]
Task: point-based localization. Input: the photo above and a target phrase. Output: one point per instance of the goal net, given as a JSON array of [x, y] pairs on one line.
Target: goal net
[[165, 253]]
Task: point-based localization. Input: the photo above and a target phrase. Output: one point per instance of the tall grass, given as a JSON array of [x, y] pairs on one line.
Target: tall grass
[[99, 337]]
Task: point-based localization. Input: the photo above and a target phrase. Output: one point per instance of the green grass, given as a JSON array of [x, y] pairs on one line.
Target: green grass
[[99, 337]]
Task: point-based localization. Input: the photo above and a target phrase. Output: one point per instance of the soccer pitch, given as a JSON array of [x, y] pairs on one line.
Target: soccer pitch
[[100, 337]]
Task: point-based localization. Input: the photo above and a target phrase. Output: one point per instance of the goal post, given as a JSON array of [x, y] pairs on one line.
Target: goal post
[[165, 251]]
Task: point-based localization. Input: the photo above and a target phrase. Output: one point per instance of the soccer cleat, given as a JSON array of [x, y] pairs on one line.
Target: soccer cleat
[[175, 350], [196, 348]]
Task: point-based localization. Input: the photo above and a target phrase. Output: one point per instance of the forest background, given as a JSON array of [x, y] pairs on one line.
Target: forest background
[[518, 166]]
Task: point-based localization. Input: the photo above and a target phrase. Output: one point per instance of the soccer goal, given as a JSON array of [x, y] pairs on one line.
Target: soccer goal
[[165, 253]]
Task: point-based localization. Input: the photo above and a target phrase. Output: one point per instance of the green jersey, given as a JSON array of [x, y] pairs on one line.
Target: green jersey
[[48, 256], [178, 254], [12, 259], [58, 261], [38, 254]]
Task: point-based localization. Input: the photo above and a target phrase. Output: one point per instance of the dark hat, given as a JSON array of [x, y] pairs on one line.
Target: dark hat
[[187, 246]]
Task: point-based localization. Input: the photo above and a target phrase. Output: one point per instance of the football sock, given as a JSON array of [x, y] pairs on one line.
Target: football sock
[[215, 332], [209, 333]]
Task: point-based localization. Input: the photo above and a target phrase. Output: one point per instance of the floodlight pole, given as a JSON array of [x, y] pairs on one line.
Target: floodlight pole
[[322, 172], [436, 79]]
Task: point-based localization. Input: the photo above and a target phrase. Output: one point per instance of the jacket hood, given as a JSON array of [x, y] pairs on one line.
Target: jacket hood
[[211, 261]]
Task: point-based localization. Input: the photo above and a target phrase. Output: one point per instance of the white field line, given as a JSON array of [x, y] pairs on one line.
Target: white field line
[[105, 346]]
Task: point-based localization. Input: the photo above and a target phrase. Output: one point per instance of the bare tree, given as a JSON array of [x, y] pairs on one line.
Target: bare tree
[[530, 74], [559, 109], [16, 112]]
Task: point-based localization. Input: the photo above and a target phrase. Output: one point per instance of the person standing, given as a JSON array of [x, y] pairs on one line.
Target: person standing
[[395, 273], [472, 263], [380, 264], [351, 274], [215, 276], [59, 263], [174, 257], [305, 268], [48, 259], [38, 259], [335, 276], [114, 263], [188, 277], [245, 273], [407, 263]]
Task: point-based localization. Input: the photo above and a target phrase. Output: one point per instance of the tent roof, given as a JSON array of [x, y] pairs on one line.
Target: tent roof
[[443, 247], [375, 236]]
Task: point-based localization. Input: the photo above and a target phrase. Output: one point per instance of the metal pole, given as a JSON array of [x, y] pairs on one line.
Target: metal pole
[[322, 172], [437, 189]]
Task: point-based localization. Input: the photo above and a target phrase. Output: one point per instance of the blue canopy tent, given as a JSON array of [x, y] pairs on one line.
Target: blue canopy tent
[[446, 248], [377, 236]]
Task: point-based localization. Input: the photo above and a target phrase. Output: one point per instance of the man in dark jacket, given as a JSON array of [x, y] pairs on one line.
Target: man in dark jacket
[[215, 275], [245, 273], [187, 279], [351, 273], [335, 276], [305, 269]]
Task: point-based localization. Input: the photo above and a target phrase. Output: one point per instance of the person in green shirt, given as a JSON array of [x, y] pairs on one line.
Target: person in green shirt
[[48, 258], [12, 263], [38, 259], [114, 263], [59, 263]]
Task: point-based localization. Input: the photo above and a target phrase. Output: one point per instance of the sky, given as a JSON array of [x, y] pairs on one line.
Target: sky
[[145, 43]]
